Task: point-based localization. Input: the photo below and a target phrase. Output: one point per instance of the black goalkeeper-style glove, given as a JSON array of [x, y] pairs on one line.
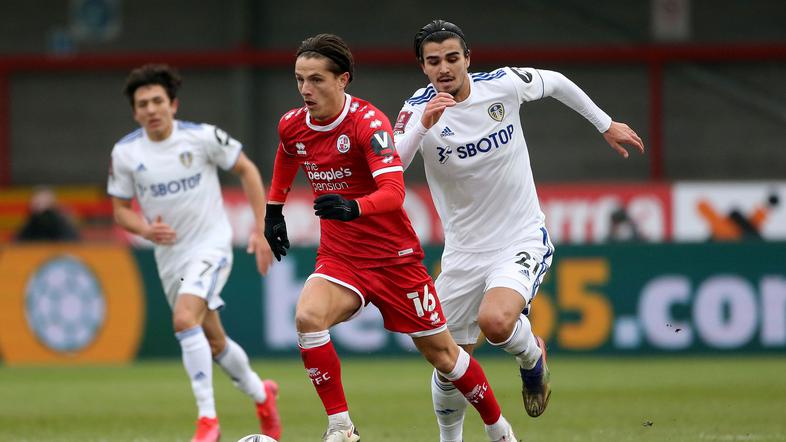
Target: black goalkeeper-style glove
[[276, 230], [334, 206]]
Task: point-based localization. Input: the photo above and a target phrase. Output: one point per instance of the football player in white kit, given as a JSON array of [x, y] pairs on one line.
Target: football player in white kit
[[170, 167], [467, 128]]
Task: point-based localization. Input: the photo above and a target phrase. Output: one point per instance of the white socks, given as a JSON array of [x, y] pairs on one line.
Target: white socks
[[235, 363], [498, 430], [340, 420], [449, 407], [521, 344], [198, 362]]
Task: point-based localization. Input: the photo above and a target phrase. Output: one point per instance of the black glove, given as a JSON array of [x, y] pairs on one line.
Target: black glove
[[276, 230], [334, 206]]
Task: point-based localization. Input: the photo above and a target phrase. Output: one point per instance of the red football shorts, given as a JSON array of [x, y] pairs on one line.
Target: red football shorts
[[403, 293]]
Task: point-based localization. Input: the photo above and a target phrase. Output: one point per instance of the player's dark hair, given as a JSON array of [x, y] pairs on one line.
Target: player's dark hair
[[438, 31], [331, 47], [149, 74]]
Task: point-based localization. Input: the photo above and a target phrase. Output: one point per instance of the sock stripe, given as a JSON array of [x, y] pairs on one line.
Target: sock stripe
[[189, 332]]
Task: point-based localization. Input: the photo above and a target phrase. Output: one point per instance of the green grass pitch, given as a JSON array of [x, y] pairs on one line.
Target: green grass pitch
[[594, 399]]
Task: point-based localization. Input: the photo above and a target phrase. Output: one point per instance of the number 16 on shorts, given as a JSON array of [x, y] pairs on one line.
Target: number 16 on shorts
[[425, 305]]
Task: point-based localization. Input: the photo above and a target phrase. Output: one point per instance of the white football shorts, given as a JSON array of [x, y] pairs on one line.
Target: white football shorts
[[203, 274], [467, 276]]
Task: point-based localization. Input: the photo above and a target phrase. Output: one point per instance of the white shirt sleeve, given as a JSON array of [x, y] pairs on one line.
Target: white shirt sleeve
[[222, 149], [121, 180], [408, 132], [560, 87]]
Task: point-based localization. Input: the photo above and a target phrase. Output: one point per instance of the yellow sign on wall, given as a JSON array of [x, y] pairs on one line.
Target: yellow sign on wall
[[69, 304]]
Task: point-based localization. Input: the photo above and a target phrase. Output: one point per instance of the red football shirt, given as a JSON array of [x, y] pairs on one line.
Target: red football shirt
[[344, 157]]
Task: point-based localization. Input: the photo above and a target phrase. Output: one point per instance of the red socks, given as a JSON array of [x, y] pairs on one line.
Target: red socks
[[475, 387], [324, 370]]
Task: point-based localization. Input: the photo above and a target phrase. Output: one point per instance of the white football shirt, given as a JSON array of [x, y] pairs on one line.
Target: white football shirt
[[177, 179], [476, 159]]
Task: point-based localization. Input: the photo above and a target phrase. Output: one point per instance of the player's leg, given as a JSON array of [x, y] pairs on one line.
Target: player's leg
[[322, 304], [188, 313], [512, 284], [234, 361], [461, 369], [193, 291], [506, 327], [407, 299], [449, 406], [460, 287]]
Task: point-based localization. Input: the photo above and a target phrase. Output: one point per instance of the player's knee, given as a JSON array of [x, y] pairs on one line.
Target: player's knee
[[308, 320], [497, 325], [441, 360], [182, 321]]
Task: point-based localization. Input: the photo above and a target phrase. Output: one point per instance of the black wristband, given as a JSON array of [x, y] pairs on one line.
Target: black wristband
[[274, 210]]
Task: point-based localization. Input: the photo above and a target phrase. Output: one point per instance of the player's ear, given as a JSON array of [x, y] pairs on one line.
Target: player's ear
[[343, 80], [175, 105]]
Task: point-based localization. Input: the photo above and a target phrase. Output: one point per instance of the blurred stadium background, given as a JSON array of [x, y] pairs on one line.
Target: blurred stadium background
[[664, 312]]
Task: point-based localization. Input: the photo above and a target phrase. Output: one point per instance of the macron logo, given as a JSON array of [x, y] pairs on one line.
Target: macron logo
[[141, 168], [446, 132]]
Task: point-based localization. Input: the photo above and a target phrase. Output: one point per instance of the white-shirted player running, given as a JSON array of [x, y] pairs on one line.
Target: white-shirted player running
[[468, 130], [170, 167]]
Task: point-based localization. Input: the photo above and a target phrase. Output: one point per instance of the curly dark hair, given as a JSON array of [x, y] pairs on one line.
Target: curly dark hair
[[149, 74]]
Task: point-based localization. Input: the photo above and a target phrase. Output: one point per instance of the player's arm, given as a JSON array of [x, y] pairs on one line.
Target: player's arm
[[157, 232], [251, 181], [284, 171], [616, 134], [387, 171], [388, 197], [412, 125]]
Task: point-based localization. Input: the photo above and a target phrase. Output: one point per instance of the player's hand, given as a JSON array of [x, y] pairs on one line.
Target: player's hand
[[159, 232], [435, 108], [276, 230], [332, 206], [619, 134], [261, 249]]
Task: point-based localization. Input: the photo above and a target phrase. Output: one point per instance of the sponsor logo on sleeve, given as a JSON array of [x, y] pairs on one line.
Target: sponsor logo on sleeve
[[401, 122], [382, 143], [221, 136], [525, 75]]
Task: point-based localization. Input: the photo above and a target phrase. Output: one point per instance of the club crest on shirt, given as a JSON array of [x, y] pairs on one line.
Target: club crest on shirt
[[186, 158], [342, 144], [497, 111]]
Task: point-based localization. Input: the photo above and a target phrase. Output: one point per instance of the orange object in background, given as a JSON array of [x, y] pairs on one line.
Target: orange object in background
[[69, 304]]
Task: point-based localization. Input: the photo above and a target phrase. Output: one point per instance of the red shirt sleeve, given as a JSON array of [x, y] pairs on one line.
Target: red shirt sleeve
[[284, 171], [388, 197], [376, 135]]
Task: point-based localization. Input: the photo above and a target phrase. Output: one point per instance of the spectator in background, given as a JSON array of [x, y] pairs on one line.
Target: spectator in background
[[622, 227], [47, 222]]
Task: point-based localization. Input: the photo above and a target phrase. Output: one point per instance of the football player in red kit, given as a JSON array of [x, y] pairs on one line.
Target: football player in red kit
[[368, 251]]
